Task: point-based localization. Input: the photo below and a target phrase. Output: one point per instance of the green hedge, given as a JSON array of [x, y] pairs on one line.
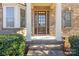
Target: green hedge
[[74, 42], [12, 44]]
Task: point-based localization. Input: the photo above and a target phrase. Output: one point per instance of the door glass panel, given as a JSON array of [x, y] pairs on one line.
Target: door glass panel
[[40, 18], [41, 26]]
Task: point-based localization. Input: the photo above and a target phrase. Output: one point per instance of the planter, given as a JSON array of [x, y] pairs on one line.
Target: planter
[[67, 49]]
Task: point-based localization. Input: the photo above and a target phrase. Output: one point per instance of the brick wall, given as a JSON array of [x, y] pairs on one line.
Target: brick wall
[[1, 16], [52, 22], [75, 20], [74, 29], [65, 31]]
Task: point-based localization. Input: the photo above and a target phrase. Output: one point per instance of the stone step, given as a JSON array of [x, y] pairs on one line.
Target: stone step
[[68, 53], [45, 47], [45, 53], [46, 42]]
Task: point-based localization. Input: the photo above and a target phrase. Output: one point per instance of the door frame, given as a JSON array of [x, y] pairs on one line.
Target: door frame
[[47, 23]]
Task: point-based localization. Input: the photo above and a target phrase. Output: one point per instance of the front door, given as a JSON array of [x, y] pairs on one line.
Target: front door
[[41, 22]]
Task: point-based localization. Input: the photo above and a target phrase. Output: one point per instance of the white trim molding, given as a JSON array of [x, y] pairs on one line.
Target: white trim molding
[[16, 15]]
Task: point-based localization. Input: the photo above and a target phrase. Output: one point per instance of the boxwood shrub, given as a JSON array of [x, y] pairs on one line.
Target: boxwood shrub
[[74, 42], [12, 44]]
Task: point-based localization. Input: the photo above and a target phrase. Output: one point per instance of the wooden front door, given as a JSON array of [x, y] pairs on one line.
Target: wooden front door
[[41, 22]]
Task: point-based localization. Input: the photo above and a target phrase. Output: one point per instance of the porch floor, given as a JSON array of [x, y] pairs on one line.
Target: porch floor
[[46, 37]]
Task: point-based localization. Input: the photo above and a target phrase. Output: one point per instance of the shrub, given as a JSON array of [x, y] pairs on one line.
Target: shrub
[[74, 42], [12, 44]]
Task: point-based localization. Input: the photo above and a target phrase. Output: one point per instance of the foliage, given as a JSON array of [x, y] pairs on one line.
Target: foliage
[[12, 44], [74, 42]]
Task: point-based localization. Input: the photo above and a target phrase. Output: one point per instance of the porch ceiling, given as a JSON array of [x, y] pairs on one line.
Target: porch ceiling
[[41, 4], [51, 5]]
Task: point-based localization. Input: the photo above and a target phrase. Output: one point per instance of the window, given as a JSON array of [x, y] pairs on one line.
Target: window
[[9, 16], [22, 17], [67, 19]]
